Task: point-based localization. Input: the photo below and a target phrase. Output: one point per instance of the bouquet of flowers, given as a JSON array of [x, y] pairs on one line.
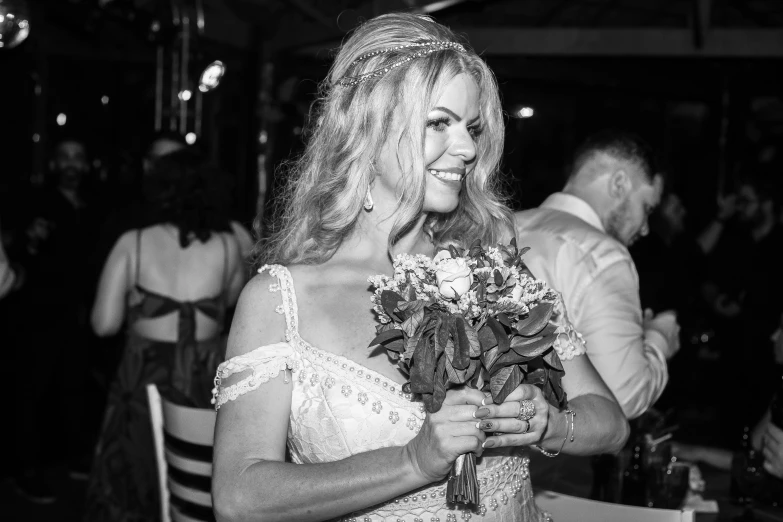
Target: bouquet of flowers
[[473, 317]]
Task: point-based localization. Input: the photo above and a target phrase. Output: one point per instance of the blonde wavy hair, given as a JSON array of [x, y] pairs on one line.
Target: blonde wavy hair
[[326, 185]]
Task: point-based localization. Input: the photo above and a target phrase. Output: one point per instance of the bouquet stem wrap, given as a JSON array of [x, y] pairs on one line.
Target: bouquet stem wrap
[[463, 486]]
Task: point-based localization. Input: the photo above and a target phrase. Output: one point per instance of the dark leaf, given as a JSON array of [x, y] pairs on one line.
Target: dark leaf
[[500, 334], [389, 300], [531, 347], [473, 340], [553, 360], [454, 252], [498, 278], [462, 344], [387, 337], [504, 382], [439, 393], [411, 293], [504, 320], [411, 325], [487, 338], [509, 358], [513, 242], [422, 377], [537, 377], [491, 356], [536, 320], [523, 251]]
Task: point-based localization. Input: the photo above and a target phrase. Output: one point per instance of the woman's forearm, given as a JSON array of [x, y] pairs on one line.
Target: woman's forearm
[[599, 426], [280, 491]]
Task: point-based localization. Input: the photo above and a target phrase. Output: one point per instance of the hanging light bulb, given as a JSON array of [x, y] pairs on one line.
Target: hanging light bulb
[[211, 76], [14, 23]]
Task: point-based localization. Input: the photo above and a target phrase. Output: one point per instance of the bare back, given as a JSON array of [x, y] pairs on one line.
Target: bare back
[[201, 271]]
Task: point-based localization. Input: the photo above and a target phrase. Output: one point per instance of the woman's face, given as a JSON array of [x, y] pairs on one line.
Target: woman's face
[[453, 125]]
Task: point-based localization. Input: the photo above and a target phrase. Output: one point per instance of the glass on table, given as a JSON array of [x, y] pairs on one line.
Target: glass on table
[[667, 485]]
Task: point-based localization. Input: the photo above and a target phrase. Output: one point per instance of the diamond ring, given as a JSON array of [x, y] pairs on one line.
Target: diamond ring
[[527, 410]]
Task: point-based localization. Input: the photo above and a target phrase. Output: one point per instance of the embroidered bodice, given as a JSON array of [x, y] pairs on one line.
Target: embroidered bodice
[[340, 408]]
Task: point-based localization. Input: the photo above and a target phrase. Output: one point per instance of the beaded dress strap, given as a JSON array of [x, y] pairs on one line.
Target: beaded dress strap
[[285, 284]]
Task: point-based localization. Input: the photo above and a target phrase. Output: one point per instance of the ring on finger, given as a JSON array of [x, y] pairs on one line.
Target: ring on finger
[[527, 410], [527, 426]]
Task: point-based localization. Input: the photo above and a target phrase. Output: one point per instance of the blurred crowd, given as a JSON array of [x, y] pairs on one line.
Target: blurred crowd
[[105, 289]]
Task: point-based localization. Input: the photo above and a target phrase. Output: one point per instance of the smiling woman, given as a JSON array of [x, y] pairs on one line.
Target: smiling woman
[[402, 158]]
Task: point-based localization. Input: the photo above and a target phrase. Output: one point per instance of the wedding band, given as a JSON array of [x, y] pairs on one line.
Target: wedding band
[[527, 428], [527, 410]]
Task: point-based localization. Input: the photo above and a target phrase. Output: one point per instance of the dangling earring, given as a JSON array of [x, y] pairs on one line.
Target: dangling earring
[[368, 203]]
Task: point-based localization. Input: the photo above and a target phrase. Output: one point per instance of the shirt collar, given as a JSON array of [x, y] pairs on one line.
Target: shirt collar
[[574, 206]]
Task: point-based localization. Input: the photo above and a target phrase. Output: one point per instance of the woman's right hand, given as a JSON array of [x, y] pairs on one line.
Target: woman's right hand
[[450, 432]]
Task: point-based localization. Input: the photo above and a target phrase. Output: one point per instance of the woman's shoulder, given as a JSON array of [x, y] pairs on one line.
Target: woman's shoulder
[[259, 318]]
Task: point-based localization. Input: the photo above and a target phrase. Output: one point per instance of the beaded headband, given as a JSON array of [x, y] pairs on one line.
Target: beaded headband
[[425, 48]]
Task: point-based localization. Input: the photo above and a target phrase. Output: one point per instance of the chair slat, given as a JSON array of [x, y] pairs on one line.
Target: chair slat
[[185, 464], [195, 425], [191, 495]]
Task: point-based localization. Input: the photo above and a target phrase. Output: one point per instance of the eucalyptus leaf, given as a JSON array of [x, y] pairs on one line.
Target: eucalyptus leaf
[[498, 277]]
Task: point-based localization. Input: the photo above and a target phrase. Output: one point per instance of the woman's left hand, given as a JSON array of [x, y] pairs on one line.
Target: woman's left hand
[[506, 422]]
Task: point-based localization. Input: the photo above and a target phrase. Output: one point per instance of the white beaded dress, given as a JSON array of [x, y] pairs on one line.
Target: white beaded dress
[[340, 408]]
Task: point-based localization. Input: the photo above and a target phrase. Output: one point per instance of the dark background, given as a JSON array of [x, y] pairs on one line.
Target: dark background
[[710, 104]]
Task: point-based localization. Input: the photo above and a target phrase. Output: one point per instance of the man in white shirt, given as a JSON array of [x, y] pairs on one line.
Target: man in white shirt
[[578, 241]]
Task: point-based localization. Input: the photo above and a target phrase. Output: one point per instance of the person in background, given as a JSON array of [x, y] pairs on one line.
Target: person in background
[[58, 236], [579, 241], [743, 288], [170, 283], [670, 265]]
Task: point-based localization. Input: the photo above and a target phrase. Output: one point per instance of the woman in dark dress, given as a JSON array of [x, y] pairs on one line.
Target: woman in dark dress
[[170, 284]]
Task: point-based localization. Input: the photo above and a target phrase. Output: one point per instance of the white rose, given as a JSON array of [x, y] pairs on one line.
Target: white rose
[[454, 277]]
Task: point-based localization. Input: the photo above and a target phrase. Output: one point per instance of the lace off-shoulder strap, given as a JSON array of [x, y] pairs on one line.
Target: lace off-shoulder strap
[[263, 363], [266, 362], [285, 285]]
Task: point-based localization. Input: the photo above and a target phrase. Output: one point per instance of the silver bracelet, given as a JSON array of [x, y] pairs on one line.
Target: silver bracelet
[[548, 454]]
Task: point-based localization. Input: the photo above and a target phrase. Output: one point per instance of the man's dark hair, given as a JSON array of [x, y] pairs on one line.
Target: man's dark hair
[[621, 145], [185, 190]]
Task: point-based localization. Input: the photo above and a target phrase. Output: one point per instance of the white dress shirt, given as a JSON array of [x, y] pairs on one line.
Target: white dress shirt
[[571, 251]]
